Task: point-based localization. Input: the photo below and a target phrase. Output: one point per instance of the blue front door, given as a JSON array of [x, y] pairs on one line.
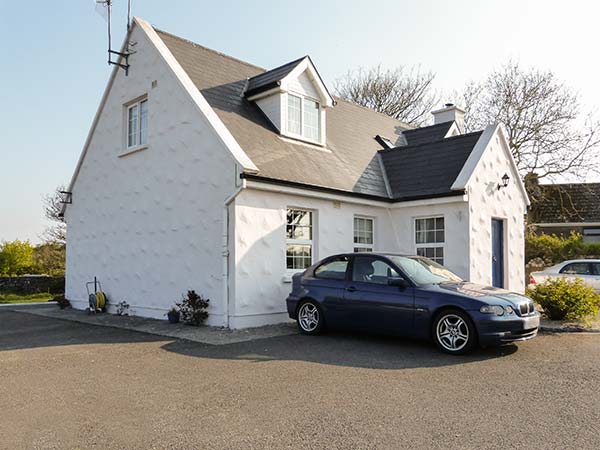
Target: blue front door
[[497, 253]]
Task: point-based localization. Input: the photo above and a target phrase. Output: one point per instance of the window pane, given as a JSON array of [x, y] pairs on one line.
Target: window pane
[[439, 223], [294, 112], [335, 270], [430, 224], [144, 122], [429, 236], [363, 250], [132, 126], [311, 120], [439, 236], [419, 225], [298, 256]]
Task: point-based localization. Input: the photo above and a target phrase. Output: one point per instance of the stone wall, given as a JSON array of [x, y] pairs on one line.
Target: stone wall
[[32, 284]]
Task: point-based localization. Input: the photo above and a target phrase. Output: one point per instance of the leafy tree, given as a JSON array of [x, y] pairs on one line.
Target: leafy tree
[[49, 259], [547, 131], [16, 257], [403, 93], [57, 231]]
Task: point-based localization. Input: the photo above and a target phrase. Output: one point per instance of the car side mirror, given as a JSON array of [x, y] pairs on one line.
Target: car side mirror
[[397, 281]]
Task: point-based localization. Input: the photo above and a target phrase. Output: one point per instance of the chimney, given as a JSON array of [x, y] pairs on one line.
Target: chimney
[[450, 113]]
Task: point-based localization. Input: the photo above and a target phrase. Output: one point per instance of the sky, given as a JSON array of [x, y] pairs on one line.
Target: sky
[[53, 61]]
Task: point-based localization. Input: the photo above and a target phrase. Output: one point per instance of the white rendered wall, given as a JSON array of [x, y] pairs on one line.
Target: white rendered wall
[[271, 106], [149, 224], [261, 280], [487, 202], [456, 223]]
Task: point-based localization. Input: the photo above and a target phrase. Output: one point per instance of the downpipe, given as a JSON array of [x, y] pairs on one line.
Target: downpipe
[[225, 251]]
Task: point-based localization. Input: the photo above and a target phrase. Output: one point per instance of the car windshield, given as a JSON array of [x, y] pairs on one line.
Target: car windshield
[[423, 270]]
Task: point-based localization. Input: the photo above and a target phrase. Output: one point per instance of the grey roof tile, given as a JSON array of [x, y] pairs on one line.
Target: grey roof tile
[[427, 169], [563, 203]]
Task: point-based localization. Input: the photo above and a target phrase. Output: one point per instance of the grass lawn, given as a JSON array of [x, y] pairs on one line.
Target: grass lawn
[[25, 298]]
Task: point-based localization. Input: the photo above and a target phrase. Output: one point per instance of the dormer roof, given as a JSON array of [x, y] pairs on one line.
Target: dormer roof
[[278, 78]]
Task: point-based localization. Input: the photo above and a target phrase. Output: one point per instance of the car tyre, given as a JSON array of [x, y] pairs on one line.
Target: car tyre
[[310, 318], [454, 333]]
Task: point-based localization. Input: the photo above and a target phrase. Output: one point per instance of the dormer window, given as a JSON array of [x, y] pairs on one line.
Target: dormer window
[[294, 99], [304, 118]]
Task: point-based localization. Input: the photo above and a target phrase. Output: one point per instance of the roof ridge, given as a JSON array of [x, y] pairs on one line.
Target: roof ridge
[[404, 147], [195, 44], [348, 102]]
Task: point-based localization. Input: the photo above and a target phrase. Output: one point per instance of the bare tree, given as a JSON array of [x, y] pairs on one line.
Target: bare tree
[[547, 132], [403, 93], [57, 231]]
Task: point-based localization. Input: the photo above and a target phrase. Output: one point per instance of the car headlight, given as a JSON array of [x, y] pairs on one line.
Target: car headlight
[[509, 310], [492, 309]]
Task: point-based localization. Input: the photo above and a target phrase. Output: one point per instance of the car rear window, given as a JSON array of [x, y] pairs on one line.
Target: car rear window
[[580, 268]]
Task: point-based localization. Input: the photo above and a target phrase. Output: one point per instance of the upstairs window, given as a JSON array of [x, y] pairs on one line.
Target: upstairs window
[[430, 238], [304, 118], [137, 124]]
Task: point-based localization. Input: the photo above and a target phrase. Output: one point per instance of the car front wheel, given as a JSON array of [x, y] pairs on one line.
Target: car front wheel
[[310, 318], [454, 333]]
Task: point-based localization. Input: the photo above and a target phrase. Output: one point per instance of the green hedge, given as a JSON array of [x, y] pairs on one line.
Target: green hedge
[[562, 298], [554, 249]]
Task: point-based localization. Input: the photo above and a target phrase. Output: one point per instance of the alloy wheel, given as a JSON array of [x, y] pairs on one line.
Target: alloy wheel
[[452, 332], [308, 317]]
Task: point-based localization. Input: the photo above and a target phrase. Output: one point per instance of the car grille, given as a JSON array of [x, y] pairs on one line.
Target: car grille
[[526, 309]]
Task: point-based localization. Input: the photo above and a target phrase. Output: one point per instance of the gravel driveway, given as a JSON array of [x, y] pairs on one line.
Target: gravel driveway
[[68, 385]]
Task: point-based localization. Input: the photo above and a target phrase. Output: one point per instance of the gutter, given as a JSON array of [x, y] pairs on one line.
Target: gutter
[[225, 253]]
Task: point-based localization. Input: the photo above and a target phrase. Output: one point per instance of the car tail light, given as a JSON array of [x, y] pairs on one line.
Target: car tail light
[[531, 279]]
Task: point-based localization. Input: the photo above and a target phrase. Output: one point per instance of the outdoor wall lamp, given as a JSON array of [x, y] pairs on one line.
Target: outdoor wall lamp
[[505, 180]]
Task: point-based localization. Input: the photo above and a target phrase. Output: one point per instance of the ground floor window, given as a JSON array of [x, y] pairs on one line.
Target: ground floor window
[[363, 234], [299, 239], [430, 238], [591, 235]]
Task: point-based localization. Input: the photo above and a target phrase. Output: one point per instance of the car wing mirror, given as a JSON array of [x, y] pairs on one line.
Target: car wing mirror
[[397, 281]]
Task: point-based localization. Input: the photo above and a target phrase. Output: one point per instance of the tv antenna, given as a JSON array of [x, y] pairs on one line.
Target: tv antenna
[[115, 58]]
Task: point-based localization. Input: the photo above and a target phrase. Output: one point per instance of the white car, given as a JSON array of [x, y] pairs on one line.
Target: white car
[[586, 269]]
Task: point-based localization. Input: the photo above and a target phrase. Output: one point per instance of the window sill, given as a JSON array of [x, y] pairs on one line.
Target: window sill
[[130, 150]]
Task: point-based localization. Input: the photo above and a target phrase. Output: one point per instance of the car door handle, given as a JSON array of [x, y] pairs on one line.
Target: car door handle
[[351, 289]]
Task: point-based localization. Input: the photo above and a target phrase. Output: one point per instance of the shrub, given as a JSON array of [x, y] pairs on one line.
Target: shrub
[[193, 308], [553, 249], [562, 298]]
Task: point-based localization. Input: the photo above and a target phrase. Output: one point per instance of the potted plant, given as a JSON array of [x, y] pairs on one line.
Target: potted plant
[[173, 315]]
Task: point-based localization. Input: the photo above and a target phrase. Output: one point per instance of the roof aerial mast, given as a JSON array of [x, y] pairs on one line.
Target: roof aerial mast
[[116, 58]]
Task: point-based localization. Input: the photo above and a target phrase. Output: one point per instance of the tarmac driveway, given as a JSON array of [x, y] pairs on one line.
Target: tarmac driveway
[[68, 385]]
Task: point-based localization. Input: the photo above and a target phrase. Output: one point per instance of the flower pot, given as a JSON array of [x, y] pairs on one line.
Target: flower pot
[[173, 316]]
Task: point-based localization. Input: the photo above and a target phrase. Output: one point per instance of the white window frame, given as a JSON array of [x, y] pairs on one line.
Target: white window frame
[[138, 145], [309, 242], [361, 247], [302, 136], [441, 245]]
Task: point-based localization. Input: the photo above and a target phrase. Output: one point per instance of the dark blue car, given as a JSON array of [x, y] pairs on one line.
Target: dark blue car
[[408, 296]]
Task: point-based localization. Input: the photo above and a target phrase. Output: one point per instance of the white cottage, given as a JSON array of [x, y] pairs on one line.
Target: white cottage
[[204, 172]]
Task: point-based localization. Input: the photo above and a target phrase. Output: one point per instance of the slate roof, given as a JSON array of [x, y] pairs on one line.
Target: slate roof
[[427, 134], [563, 203], [270, 79], [427, 170], [350, 160]]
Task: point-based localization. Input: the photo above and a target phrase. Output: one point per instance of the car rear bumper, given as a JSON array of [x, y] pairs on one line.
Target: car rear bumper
[[498, 330], [292, 303]]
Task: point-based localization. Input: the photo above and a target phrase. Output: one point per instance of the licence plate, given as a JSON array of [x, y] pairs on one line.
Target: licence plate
[[531, 322]]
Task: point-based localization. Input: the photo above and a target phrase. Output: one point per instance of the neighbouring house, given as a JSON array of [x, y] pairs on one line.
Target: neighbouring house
[[205, 172], [564, 208]]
